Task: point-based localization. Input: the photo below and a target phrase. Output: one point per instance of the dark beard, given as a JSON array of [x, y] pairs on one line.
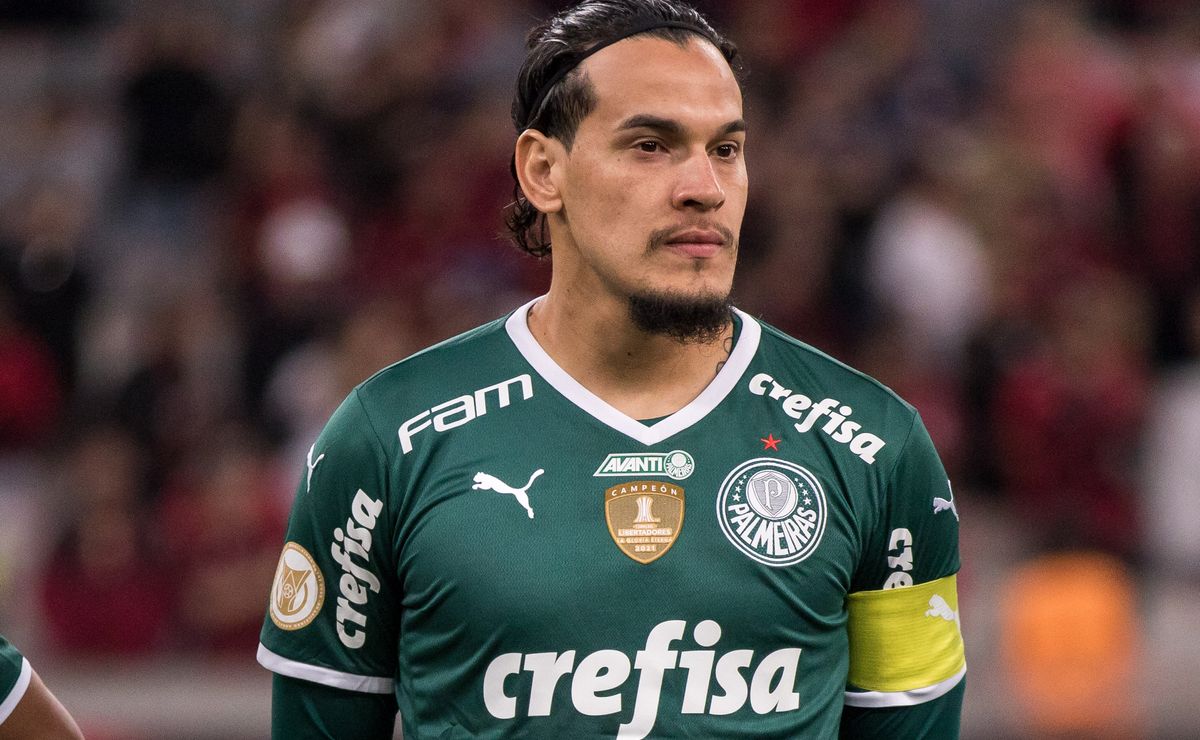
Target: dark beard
[[686, 319]]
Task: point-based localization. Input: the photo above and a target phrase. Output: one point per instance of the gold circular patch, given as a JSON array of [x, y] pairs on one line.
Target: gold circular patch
[[298, 590]]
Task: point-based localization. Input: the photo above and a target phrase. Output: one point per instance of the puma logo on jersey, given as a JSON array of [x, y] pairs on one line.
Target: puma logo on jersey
[[486, 482], [312, 465], [941, 504], [939, 608]]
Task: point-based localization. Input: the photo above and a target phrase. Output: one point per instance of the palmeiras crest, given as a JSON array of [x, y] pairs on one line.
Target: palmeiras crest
[[772, 510]]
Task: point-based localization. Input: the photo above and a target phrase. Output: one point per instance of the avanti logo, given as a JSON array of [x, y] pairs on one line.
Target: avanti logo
[[675, 464]]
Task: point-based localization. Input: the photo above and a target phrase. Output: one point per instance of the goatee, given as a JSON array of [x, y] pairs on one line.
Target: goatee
[[686, 319]]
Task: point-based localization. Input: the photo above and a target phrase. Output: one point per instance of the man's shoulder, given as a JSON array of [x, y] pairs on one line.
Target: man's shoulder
[[825, 373], [478, 352]]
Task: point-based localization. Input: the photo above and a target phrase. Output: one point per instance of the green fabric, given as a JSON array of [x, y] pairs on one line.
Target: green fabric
[[10, 668], [302, 710], [934, 720], [496, 623]]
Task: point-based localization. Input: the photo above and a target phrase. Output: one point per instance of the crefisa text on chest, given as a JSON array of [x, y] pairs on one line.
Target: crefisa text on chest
[[838, 426]]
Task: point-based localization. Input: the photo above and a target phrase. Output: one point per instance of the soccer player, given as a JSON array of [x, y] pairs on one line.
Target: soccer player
[[28, 711], [627, 509]]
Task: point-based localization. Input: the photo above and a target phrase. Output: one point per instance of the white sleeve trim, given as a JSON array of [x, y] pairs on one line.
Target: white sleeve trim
[[18, 690], [324, 676], [884, 699]]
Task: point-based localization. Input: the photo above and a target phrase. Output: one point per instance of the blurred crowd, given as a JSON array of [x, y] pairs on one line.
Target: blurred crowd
[[216, 218]]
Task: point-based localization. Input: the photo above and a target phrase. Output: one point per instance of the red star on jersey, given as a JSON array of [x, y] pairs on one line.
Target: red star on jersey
[[770, 443]]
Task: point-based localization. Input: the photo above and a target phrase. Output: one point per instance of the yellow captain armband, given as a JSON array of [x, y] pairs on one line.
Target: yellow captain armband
[[906, 644]]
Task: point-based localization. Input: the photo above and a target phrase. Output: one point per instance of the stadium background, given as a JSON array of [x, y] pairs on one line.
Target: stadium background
[[216, 217]]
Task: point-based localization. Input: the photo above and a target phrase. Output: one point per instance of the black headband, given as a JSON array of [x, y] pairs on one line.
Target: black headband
[[648, 24]]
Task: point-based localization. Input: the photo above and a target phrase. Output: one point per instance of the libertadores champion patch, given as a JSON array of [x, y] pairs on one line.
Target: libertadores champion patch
[[298, 590], [772, 510], [644, 517]]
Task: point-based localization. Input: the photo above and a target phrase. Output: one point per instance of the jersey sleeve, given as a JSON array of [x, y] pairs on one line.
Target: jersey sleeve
[[906, 647], [333, 610], [302, 710], [15, 673]]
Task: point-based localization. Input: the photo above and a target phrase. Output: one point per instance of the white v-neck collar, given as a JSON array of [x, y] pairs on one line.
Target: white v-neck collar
[[517, 326]]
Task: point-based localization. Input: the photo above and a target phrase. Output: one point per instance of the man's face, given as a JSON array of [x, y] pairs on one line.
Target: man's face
[[654, 187]]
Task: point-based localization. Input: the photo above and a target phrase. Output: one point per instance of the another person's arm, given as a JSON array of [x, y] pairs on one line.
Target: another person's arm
[[28, 711]]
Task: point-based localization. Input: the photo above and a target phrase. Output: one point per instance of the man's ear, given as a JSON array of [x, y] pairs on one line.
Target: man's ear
[[536, 160]]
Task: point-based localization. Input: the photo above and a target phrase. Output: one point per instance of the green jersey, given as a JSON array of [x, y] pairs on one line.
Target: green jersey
[[480, 536], [15, 673]]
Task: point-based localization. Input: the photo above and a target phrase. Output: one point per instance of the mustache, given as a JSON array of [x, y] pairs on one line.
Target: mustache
[[662, 236]]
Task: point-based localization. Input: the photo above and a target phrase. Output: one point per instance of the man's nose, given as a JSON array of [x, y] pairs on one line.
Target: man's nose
[[698, 186]]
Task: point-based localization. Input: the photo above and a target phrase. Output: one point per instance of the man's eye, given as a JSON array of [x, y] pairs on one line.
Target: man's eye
[[648, 146], [726, 151]]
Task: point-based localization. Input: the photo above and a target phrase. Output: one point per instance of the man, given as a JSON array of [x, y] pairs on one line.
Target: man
[[627, 509], [28, 711]]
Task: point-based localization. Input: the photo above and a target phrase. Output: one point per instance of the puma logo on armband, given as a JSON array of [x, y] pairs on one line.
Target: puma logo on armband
[[938, 607]]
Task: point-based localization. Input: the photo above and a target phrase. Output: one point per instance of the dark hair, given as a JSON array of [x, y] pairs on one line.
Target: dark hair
[[556, 46]]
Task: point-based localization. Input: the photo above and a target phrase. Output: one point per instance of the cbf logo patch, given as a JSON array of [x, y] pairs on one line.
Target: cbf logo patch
[[644, 517], [298, 590], [772, 510]]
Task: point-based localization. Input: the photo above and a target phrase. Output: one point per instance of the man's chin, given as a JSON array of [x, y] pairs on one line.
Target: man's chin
[[688, 319]]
